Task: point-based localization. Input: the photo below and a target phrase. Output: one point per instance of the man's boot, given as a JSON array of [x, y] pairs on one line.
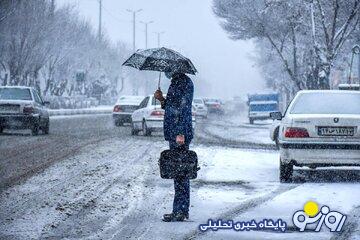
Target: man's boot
[[175, 217]]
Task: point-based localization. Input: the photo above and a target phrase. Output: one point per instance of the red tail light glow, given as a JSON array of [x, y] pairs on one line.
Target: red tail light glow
[[28, 109], [157, 113], [117, 108], [296, 133]]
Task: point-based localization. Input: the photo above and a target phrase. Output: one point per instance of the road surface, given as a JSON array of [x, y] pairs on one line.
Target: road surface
[[91, 180]]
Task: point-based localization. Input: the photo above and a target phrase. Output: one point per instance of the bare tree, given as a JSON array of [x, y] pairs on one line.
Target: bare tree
[[305, 35]]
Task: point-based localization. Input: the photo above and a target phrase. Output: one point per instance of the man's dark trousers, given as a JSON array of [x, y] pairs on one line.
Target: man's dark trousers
[[182, 187]]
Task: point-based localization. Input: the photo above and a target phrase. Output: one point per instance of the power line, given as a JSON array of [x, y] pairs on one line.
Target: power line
[[115, 17]]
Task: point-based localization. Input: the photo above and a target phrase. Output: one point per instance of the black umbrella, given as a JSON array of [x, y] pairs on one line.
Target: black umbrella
[[162, 60]]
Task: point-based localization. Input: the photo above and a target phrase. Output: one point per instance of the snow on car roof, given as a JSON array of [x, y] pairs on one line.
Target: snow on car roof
[[131, 100]]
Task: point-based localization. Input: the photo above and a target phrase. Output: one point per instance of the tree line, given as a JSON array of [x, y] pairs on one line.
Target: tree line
[[44, 46], [301, 44]]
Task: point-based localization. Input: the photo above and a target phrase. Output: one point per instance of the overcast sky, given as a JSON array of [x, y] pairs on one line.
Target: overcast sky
[[191, 28]]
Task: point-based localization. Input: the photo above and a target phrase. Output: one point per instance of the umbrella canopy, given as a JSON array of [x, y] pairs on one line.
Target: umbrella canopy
[[162, 60]]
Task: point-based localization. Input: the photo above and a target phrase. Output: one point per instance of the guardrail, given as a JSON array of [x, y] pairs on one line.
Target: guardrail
[[65, 112]]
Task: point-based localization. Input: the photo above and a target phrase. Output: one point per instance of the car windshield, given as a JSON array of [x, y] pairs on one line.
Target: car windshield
[[198, 101], [263, 107], [327, 103], [15, 94]]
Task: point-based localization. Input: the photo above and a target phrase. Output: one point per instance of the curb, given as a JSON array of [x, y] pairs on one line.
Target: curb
[[65, 112]]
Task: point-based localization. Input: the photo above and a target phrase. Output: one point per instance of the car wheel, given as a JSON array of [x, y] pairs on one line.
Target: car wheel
[[1, 129], [251, 121], [46, 128], [286, 171], [118, 123], [133, 130], [145, 129], [35, 129], [276, 138]]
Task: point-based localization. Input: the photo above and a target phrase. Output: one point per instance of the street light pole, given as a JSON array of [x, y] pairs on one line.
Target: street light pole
[[158, 37], [355, 51], [100, 19], [134, 25], [146, 32]]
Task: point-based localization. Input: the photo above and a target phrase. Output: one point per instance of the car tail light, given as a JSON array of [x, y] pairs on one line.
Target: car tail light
[[117, 108], [28, 109], [296, 133], [193, 114], [157, 113]]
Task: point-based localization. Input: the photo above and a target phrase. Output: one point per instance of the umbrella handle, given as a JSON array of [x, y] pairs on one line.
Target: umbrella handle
[[159, 81]]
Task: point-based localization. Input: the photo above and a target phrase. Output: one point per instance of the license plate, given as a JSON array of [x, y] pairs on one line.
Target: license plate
[[336, 131], [9, 108]]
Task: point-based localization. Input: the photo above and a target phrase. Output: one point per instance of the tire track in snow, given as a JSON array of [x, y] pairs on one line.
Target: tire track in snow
[[68, 229], [34, 201], [45, 192], [48, 162]]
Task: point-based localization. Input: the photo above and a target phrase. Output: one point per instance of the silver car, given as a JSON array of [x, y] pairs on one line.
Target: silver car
[[23, 108]]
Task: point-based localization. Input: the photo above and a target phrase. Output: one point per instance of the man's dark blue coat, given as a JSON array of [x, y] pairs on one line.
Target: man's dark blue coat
[[178, 108]]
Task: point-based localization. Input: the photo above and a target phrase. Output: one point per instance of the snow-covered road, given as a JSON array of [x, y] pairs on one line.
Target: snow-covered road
[[108, 185]]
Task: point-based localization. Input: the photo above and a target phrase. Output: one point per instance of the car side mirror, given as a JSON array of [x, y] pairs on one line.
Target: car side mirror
[[46, 103], [276, 115]]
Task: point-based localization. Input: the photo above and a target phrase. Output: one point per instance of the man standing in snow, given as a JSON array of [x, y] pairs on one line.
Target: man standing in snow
[[178, 132]]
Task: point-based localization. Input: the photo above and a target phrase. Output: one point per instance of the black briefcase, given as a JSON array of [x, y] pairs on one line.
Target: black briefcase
[[178, 164]]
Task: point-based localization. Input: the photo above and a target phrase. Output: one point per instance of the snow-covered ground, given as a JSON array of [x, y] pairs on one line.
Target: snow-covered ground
[[237, 129], [95, 195], [111, 189]]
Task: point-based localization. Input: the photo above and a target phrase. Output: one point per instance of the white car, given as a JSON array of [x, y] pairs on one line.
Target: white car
[[149, 117], [200, 107], [23, 108], [124, 108], [320, 128]]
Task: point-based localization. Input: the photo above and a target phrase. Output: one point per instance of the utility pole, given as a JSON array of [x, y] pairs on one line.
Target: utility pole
[[52, 8], [146, 32], [159, 37], [134, 25], [358, 49], [355, 51], [100, 20]]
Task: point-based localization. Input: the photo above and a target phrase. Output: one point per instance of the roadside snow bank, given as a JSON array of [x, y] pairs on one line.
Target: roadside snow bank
[[95, 110]]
